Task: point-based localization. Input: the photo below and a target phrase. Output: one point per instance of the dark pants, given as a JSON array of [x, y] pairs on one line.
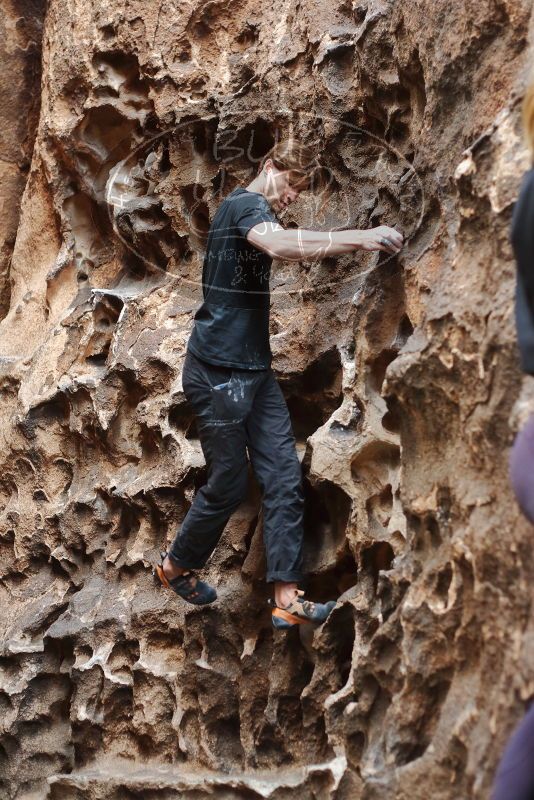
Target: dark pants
[[236, 410], [522, 469]]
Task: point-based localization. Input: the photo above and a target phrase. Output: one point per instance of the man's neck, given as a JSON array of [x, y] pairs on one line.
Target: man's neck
[[259, 185]]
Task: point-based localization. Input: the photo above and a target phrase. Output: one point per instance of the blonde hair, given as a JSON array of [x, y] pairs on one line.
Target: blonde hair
[[528, 117], [306, 172]]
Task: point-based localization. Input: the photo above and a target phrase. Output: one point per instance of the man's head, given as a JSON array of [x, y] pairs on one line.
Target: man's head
[[288, 169]]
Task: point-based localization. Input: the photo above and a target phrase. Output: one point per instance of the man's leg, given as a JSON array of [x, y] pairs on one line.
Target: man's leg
[[214, 503], [221, 429], [273, 455]]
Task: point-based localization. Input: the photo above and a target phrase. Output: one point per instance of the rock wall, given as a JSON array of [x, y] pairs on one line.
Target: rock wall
[[401, 376]]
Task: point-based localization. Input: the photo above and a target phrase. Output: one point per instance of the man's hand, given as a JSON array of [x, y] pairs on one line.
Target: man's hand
[[381, 238]]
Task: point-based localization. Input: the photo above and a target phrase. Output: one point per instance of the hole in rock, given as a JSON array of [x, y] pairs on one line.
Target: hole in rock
[[306, 416], [191, 431], [182, 418], [165, 163], [107, 31], [379, 507], [323, 372], [314, 395], [129, 518], [118, 708], [166, 641], [390, 594], [225, 735], [156, 376], [335, 581], [150, 440], [55, 410], [377, 369], [373, 698], [419, 733], [414, 525], [107, 310], [326, 513], [355, 745], [340, 636], [433, 531], [256, 139], [377, 558], [289, 712], [190, 731], [443, 582], [375, 463], [413, 79], [108, 134], [120, 72], [198, 212], [374, 121], [404, 332], [122, 658], [444, 502], [398, 132], [201, 137], [391, 420], [99, 359]]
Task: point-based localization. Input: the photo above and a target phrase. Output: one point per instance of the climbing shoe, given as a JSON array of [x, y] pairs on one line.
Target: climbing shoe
[[187, 586], [300, 612]]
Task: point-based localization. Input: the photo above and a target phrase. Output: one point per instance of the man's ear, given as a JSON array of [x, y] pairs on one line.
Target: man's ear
[[268, 165]]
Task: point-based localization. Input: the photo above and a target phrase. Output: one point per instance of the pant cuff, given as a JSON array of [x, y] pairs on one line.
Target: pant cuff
[[184, 562], [288, 576]]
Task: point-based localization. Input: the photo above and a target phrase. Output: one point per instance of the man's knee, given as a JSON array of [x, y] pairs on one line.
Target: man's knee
[[228, 487], [282, 478]]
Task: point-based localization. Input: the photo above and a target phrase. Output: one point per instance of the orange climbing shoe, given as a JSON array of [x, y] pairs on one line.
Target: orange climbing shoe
[[300, 612]]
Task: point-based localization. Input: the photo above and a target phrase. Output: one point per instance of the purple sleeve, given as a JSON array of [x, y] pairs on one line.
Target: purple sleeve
[[514, 779]]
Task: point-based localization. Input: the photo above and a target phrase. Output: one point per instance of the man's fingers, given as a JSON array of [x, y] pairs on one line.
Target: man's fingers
[[387, 245], [394, 236]]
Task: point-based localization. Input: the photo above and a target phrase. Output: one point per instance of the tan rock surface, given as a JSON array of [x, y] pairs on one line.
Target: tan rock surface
[[402, 380]]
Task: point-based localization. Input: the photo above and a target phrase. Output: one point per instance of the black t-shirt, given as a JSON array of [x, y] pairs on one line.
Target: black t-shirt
[[231, 327], [522, 236]]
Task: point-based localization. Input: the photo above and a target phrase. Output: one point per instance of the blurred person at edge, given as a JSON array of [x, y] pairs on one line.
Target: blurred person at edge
[[514, 779]]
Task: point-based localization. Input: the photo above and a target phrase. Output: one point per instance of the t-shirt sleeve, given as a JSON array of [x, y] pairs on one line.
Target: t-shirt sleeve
[[251, 211]]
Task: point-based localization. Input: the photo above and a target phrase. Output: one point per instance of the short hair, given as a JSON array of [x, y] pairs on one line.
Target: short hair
[[528, 117], [306, 173]]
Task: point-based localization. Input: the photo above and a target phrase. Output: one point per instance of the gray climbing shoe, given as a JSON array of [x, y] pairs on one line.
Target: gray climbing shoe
[[187, 586], [300, 612]]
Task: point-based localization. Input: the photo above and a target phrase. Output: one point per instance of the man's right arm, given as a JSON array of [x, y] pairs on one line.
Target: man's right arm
[[296, 244]]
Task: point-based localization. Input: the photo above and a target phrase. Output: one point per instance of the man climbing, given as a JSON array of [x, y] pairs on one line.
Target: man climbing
[[229, 382]]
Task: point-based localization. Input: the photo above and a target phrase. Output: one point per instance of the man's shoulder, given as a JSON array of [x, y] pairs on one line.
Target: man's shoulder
[[242, 198], [242, 209], [237, 200]]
